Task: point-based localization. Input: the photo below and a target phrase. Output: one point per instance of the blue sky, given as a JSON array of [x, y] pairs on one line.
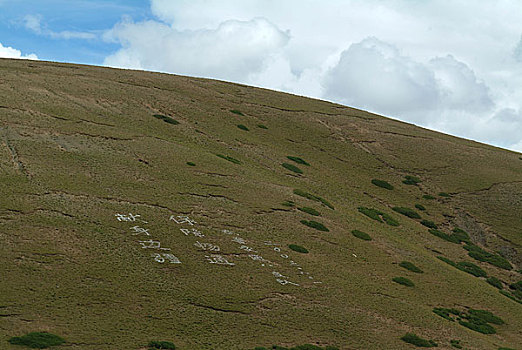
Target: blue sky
[[443, 65], [66, 15]]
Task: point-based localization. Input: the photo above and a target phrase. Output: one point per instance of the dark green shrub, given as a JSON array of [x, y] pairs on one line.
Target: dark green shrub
[[371, 213], [261, 126], [298, 160], [383, 184], [511, 296], [456, 344], [516, 286], [486, 316], [378, 215], [503, 347], [480, 254], [481, 328], [447, 261], [389, 220], [446, 313], [444, 236], [191, 163], [230, 159], [313, 197], [407, 212], [410, 266], [411, 180], [404, 281], [428, 197], [315, 224], [166, 119], [495, 282], [288, 203], [298, 248], [471, 269], [235, 111], [243, 127], [420, 207], [418, 341], [461, 235], [444, 194], [161, 345], [362, 235], [37, 340], [310, 211], [429, 224], [292, 167]]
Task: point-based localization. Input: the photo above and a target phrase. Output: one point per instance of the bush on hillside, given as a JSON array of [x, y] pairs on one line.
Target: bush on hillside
[[191, 164], [313, 198], [310, 211], [444, 194], [407, 212], [404, 281], [382, 184], [298, 248], [495, 282], [418, 341], [243, 127], [429, 224], [315, 224], [236, 111], [298, 160], [288, 203], [378, 215], [37, 340], [362, 235], [456, 344], [292, 167], [471, 269], [428, 197], [261, 126], [166, 119], [161, 345], [411, 180], [420, 207], [230, 159], [410, 266], [480, 254]]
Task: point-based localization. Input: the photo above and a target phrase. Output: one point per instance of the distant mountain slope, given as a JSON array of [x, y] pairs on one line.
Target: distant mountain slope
[[139, 206]]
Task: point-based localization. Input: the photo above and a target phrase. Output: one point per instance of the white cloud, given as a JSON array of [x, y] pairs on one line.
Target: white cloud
[[9, 52], [34, 23], [375, 75], [232, 51], [441, 64]]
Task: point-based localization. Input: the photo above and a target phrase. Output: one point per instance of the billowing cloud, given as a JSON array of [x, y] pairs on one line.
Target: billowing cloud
[[517, 53], [34, 23], [9, 52], [232, 51], [392, 57], [374, 75]]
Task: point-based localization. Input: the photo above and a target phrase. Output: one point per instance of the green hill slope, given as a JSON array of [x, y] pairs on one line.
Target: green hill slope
[[139, 206]]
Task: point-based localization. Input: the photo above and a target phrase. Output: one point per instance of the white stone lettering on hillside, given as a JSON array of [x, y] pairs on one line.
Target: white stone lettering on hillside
[[218, 259], [182, 219], [207, 246], [194, 232], [125, 217], [150, 244], [137, 230]]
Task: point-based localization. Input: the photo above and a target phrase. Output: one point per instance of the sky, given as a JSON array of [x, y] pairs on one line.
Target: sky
[[451, 66]]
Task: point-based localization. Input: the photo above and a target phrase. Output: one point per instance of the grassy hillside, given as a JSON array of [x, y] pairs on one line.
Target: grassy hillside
[[267, 202]]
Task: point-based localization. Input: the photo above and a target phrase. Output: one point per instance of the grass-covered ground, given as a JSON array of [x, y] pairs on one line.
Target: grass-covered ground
[[80, 144]]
